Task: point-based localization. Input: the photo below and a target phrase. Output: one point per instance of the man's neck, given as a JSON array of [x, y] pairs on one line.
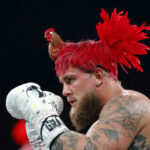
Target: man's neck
[[110, 89]]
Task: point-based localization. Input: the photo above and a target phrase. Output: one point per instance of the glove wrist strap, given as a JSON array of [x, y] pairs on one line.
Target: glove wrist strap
[[52, 127]]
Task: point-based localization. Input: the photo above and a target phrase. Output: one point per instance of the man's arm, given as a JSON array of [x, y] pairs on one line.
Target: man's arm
[[119, 122], [73, 141]]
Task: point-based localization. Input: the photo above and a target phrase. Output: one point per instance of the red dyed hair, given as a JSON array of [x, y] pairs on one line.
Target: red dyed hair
[[86, 55], [118, 44]]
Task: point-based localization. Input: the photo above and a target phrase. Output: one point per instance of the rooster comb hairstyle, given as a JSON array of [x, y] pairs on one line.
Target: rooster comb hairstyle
[[118, 44]]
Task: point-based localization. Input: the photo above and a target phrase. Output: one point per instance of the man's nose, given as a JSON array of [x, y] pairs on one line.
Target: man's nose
[[66, 90]]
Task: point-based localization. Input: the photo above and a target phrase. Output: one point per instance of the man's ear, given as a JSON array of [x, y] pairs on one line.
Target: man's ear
[[99, 75]]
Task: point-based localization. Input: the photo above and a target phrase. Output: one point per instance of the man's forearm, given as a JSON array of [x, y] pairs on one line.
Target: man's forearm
[[73, 141]]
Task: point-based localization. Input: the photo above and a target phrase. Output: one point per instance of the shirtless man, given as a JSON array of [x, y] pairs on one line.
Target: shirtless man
[[118, 119]]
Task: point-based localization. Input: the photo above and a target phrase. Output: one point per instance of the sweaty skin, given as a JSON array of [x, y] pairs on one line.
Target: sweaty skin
[[123, 122]]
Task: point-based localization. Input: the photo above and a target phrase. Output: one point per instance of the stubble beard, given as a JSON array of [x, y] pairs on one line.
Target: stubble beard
[[86, 112]]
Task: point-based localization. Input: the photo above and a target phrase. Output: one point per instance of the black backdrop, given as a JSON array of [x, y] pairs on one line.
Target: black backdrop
[[23, 50]]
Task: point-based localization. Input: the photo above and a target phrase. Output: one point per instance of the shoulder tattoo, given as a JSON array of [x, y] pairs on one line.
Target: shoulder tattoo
[[125, 113]]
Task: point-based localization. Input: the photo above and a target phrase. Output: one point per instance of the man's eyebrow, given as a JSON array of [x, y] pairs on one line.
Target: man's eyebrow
[[67, 77], [64, 78]]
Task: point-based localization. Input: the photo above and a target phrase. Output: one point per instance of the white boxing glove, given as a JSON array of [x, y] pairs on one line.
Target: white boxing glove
[[35, 140], [29, 102]]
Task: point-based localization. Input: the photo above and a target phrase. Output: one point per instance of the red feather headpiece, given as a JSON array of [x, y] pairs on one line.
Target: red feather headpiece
[[119, 43], [122, 38]]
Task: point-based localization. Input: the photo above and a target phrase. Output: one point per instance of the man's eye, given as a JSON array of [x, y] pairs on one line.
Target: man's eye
[[70, 80]]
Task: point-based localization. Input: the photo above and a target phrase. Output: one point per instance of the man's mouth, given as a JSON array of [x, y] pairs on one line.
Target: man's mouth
[[72, 102]]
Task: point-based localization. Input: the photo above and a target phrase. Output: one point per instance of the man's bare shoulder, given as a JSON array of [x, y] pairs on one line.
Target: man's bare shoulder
[[122, 119], [136, 94]]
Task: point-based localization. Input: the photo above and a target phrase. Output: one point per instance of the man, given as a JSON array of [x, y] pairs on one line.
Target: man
[[118, 119]]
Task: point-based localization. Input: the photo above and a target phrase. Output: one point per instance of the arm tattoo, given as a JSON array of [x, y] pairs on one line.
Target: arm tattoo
[[58, 144], [140, 143], [90, 145], [109, 133], [71, 141]]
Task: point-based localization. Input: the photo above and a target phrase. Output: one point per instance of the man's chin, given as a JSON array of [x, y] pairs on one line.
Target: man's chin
[[86, 112], [72, 111]]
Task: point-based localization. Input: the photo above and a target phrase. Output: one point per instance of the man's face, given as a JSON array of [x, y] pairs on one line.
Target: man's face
[[79, 87]]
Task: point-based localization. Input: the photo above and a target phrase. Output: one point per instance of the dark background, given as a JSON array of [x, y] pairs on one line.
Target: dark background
[[23, 50]]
